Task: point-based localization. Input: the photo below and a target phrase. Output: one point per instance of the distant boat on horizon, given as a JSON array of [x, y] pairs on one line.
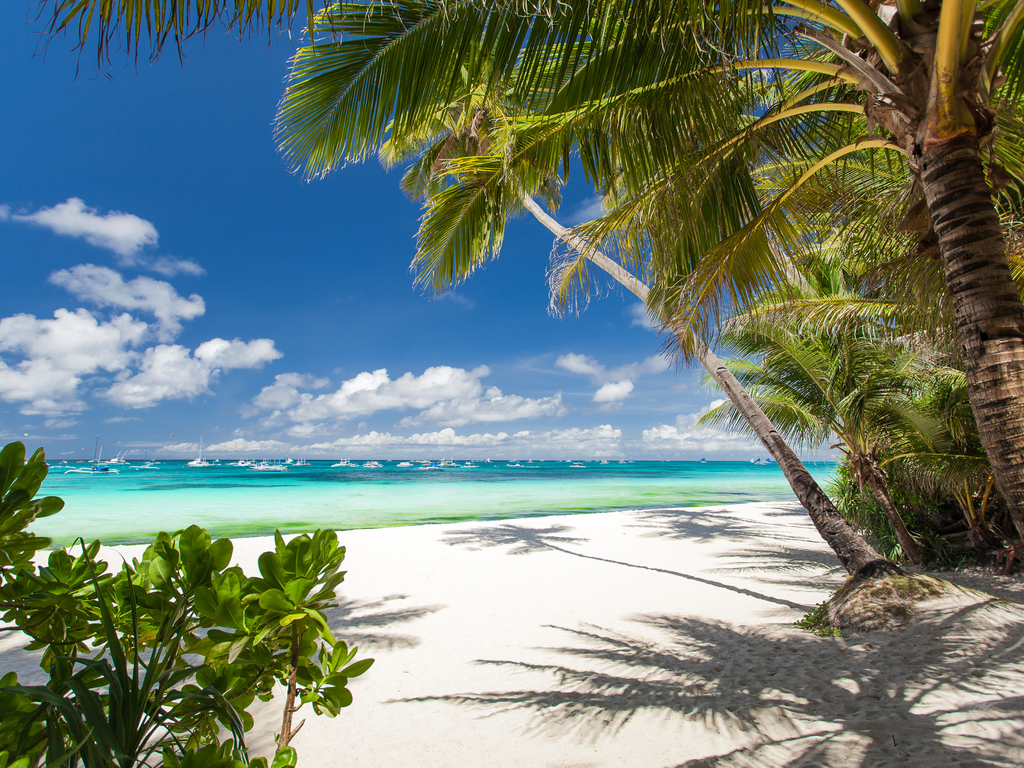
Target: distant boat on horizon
[[200, 461]]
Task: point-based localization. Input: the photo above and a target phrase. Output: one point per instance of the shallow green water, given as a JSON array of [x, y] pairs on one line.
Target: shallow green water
[[231, 501]]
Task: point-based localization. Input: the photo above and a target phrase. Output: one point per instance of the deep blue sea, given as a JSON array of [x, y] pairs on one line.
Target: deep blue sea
[[134, 504]]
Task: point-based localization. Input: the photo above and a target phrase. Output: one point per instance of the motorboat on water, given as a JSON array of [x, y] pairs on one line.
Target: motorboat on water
[[514, 464], [372, 465], [301, 463], [119, 459], [577, 465], [200, 461], [404, 464], [469, 465], [264, 466], [344, 463]]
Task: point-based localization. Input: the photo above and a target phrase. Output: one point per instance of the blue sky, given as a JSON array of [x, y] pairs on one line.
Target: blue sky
[[167, 278]]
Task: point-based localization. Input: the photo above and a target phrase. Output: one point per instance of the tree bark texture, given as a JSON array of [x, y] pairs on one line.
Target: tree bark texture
[[849, 546], [872, 478], [989, 312]]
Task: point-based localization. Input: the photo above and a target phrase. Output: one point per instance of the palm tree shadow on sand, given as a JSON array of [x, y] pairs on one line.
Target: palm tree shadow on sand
[[359, 622], [704, 524], [942, 694], [525, 540]]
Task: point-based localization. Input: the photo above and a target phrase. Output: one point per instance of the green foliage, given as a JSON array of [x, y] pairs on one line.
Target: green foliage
[[923, 515], [816, 622], [19, 483], [124, 687]]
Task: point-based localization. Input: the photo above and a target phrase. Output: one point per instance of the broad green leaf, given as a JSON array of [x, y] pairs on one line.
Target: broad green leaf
[[355, 670]]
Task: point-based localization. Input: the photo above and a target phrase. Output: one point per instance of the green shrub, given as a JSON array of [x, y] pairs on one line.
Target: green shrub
[[117, 646]]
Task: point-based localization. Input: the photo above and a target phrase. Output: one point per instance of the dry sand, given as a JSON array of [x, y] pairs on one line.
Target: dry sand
[[652, 639]]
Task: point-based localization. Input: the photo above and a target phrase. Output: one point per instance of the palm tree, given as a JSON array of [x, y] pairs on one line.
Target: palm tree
[[933, 84], [469, 141], [818, 385]]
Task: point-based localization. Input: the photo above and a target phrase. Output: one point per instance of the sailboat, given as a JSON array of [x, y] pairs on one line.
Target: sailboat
[[96, 468], [145, 463], [200, 462]]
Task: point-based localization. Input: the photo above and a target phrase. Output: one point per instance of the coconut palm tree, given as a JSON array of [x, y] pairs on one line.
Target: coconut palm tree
[[939, 85], [818, 385], [475, 169]]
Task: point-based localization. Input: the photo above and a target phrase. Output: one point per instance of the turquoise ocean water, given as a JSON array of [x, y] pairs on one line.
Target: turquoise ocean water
[[231, 501]]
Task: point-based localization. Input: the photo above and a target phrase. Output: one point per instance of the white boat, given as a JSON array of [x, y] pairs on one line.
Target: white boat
[[448, 463], [469, 465], [200, 461], [241, 463], [424, 467], [514, 464], [577, 465], [95, 469], [405, 463], [345, 463], [372, 465], [119, 459], [265, 467], [145, 463], [301, 463]]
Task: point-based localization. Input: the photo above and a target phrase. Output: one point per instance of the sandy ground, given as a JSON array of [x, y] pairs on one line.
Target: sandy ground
[[651, 639]]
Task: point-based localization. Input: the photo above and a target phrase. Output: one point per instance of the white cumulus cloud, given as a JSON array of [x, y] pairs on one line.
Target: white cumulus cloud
[[684, 435], [123, 233], [284, 392], [106, 287], [614, 384], [58, 353], [493, 406], [173, 372]]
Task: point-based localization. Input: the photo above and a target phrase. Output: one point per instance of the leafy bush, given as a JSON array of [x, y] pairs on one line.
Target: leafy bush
[[117, 646], [924, 515], [816, 622]]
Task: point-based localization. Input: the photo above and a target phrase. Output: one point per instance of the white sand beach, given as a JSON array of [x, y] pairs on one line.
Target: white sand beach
[[655, 639]]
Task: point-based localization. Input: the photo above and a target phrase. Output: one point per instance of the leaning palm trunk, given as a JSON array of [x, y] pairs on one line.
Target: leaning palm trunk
[[989, 312], [871, 477], [849, 546]]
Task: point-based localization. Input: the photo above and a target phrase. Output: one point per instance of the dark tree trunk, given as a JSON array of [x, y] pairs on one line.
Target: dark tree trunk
[[989, 312], [871, 477]]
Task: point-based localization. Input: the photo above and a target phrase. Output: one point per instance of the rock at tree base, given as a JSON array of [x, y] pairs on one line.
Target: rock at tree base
[[895, 600]]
